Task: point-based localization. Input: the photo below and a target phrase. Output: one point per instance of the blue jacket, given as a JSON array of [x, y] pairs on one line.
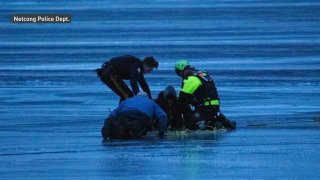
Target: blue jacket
[[145, 105]]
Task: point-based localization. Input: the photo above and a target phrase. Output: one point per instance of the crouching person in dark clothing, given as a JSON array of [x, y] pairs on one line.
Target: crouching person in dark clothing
[[115, 71], [168, 101], [132, 118]]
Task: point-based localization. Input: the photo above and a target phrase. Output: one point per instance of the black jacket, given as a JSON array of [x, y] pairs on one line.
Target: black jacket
[[131, 68], [207, 91], [174, 111]]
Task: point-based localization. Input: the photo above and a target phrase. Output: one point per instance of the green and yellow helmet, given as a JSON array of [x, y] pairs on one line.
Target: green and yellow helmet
[[181, 65]]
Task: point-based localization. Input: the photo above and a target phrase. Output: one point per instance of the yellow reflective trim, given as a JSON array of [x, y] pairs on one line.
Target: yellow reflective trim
[[212, 102], [191, 84]]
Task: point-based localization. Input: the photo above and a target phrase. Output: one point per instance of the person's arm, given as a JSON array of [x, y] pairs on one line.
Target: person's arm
[[144, 85], [189, 86], [184, 98], [134, 76], [188, 115]]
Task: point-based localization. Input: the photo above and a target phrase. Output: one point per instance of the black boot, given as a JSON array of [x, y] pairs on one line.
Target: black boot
[[230, 125]]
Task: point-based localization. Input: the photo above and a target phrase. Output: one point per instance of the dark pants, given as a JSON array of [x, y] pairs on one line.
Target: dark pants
[[109, 77], [127, 125], [212, 117]]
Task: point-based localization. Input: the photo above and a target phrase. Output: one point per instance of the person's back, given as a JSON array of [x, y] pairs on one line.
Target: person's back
[[142, 104], [126, 66], [132, 118]]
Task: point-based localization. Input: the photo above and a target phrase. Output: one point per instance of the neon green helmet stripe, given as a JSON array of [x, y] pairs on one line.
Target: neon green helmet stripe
[[191, 84]]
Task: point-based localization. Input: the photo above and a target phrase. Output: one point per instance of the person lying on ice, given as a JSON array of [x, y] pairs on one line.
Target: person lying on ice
[[168, 101], [113, 72], [198, 89], [132, 118]]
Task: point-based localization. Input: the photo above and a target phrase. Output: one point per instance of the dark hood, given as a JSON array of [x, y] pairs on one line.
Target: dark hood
[[169, 92]]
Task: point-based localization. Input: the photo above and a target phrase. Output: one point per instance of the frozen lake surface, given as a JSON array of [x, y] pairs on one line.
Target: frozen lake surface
[[263, 55]]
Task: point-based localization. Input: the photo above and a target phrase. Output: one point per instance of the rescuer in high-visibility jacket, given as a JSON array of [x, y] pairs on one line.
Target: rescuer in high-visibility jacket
[[198, 89]]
